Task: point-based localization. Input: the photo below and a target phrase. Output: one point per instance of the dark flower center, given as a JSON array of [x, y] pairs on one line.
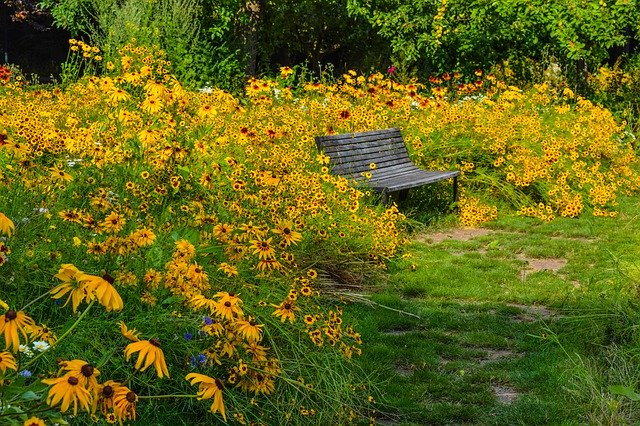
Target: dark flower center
[[10, 315], [219, 384], [252, 323], [287, 306], [107, 391], [72, 381], [155, 342], [131, 396], [227, 304], [232, 294], [87, 370], [108, 278]]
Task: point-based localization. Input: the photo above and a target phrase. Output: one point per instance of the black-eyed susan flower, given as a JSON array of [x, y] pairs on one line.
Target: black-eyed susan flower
[[67, 390], [71, 284], [289, 236], [12, 325], [285, 311], [124, 403], [103, 291], [6, 225], [149, 353], [7, 361], [208, 388], [34, 421], [131, 334], [263, 248], [249, 329], [105, 394], [86, 373]]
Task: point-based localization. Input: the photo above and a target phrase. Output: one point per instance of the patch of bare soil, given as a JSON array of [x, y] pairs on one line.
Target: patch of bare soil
[[535, 265], [533, 313], [404, 370], [505, 394], [495, 355], [460, 234]]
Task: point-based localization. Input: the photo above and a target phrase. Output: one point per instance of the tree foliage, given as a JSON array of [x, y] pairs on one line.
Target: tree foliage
[[441, 35]]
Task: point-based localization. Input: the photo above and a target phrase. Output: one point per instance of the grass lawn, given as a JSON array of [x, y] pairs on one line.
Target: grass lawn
[[519, 322]]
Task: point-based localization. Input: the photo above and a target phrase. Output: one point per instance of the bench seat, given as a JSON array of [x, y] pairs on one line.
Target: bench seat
[[382, 154]]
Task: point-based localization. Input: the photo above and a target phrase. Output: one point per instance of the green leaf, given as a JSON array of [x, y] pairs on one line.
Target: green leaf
[[29, 396], [625, 391]]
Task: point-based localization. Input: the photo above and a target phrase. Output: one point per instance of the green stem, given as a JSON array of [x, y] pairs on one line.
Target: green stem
[[166, 396], [35, 300], [65, 334]]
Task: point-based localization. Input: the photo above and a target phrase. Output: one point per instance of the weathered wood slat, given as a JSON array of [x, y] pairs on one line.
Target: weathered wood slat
[[351, 155]]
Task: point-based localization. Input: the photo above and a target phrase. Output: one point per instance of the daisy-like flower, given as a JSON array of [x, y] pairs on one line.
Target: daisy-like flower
[[106, 392], [209, 388], [132, 334], [124, 403], [86, 373], [102, 289], [34, 421], [6, 225], [149, 353], [289, 236], [227, 307], [66, 390], [71, 284], [285, 311], [250, 330], [263, 248], [12, 324], [7, 361]]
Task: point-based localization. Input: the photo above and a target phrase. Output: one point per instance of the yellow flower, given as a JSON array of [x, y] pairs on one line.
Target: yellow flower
[[34, 421], [86, 373], [250, 330], [209, 388], [11, 323], [289, 236], [132, 334], [149, 353], [66, 390], [286, 310], [6, 225], [72, 284], [124, 403], [7, 361], [102, 289], [262, 247], [105, 396]]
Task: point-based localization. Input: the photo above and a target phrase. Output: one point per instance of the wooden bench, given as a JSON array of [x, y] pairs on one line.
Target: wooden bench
[[353, 155]]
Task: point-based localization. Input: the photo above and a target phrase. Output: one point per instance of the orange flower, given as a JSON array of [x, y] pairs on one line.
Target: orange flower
[[71, 283], [66, 390], [12, 323], [209, 388], [6, 225], [149, 353], [286, 310], [124, 403], [7, 361]]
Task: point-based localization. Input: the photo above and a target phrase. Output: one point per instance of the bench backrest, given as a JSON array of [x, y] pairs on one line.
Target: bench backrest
[[352, 153]]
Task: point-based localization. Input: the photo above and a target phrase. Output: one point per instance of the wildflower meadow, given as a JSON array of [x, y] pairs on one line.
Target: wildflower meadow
[[170, 255]]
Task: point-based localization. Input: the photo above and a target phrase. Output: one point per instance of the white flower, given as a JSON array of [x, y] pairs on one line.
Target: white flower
[[25, 350], [40, 345]]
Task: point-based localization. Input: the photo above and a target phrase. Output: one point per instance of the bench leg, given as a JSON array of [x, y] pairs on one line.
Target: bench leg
[[455, 193], [385, 198], [402, 195]]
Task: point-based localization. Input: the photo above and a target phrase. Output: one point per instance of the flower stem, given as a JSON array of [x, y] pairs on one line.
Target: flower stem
[[166, 396], [65, 334]]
